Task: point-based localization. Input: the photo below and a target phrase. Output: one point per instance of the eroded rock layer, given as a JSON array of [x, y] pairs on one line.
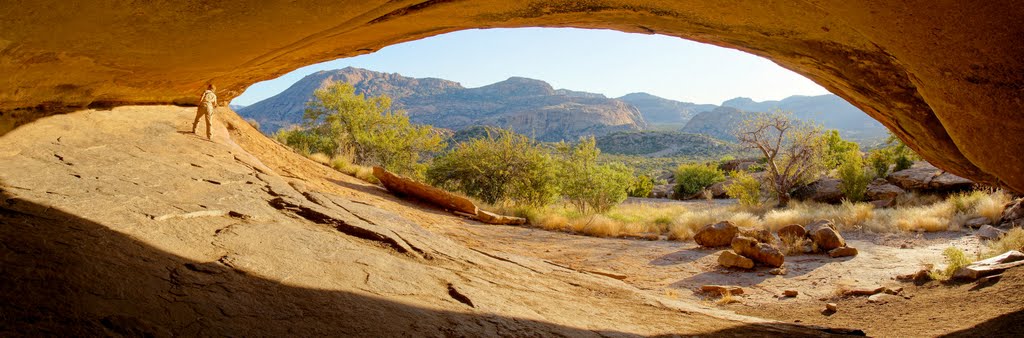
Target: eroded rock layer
[[946, 77]]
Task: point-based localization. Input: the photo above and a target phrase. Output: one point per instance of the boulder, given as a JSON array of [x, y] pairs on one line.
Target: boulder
[[663, 191], [826, 190], [730, 259], [779, 271], [1013, 214], [762, 235], [716, 235], [824, 235], [793, 231], [760, 252], [989, 232], [923, 176], [790, 293], [880, 189], [403, 186], [842, 252], [991, 266], [977, 222], [718, 189]]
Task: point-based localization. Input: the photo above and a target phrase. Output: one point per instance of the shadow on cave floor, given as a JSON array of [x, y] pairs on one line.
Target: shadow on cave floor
[[69, 276]]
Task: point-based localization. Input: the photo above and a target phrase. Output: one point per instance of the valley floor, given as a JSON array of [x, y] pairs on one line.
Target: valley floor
[[121, 222]]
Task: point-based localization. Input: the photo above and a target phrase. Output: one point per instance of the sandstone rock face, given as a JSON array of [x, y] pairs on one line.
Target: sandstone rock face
[[730, 259], [763, 253], [407, 187], [716, 235], [880, 189], [825, 190]]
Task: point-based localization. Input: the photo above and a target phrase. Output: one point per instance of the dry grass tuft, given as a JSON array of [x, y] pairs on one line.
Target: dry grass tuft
[[321, 158], [955, 259], [793, 245], [727, 298], [1013, 240]]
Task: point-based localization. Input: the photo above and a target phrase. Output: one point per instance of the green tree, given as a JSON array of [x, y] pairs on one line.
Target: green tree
[[587, 185], [854, 177], [792, 150], [692, 178], [503, 167], [836, 148], [745, 188], [880, 162], [641, 187], [338, 118]]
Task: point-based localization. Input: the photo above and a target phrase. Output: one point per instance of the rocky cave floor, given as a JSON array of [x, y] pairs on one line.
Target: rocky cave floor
[[122, 222]]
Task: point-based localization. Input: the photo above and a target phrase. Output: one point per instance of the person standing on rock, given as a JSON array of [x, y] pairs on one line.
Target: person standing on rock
[[206, 104]]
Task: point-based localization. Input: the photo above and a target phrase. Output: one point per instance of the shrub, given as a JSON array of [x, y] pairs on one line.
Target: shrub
[[337, 118], [854, 179], [836, 150], [955, 259], [745, 188], [1013, 240], [506, 167], [641, 186], [692, 178], [792, 150], [879, 163], [588, 185]]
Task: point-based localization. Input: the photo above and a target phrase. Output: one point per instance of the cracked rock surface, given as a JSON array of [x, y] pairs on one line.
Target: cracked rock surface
[[120, 223]]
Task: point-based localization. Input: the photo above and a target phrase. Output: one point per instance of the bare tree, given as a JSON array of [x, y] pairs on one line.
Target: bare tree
[[792, 150]]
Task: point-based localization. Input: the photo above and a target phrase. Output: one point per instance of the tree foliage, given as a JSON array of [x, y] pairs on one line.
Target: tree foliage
[[894, 153], [745, 188], [587, 185], [641, 187], [836, 149], [502, 167], [854, 178], [337, 120], [692, 178], [792, 150]]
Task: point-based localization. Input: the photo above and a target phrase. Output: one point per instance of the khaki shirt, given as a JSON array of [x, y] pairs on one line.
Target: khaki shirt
[[209, 98]]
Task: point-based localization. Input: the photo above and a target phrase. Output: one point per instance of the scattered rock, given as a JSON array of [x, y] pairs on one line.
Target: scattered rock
[[883, 298], [842, 252], [722, 289], [793, 230], [919, 277], [989, 232], [492, 218], [730, 259], [825, 235], [811, 227], [790, 293], [977, 222], [831, 308], [716, 235], [880, 189], [864, 291], [1013, 214], [778, 271], [760, 252], [991, 266], [718, 189], [881, 204], [663, 191], [826, 190]]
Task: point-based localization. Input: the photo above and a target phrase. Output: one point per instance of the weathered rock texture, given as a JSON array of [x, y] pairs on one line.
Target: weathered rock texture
[[944, 76]]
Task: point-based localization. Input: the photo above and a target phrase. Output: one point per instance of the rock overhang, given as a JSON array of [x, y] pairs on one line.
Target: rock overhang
[[945, 77]]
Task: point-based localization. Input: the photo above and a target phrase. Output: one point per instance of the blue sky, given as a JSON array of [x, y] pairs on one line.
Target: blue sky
[[599, 61]]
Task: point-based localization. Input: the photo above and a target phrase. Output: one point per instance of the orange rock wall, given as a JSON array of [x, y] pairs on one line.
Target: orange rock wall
[[946, 76]]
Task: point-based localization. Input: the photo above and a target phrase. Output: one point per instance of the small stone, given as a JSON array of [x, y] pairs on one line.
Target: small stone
[[842, 252], [722, 289], [790, 293], [894, 291], [759, 252], [730, 259], [882, 298], [864, 291], [778, 271], [831, 308]]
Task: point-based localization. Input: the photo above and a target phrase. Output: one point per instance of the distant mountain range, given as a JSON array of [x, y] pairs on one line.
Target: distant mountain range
[[534, 108], [664, 144], [527, 106]]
